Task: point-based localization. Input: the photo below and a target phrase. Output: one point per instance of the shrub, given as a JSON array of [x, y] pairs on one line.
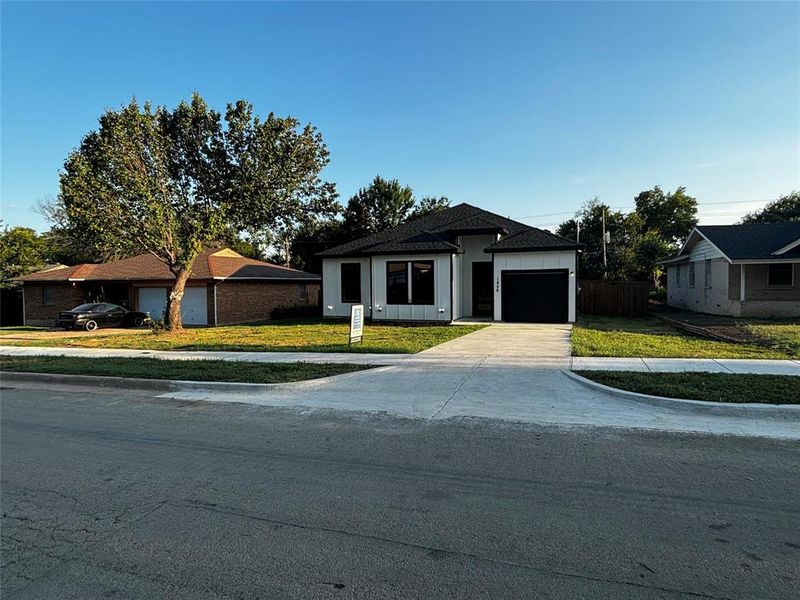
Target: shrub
[[296, 311]]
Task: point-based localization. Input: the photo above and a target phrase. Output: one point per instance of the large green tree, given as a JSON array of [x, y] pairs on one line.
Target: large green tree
[[637, 240], [785, 208], [171, 181], [429, 205], [22, 251], [672, 214], [384, 203]]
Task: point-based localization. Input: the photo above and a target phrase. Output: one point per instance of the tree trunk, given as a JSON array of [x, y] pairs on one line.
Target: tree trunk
[[174, 322]]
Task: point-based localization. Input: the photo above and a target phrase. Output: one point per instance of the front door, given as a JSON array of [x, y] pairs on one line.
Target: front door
[[482, 289]]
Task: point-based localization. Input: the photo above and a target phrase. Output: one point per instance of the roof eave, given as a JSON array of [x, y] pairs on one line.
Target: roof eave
[[573, 247]]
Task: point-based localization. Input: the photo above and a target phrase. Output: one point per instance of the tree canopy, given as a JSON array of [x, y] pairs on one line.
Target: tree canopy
[[171, 181], [637, 240], [785, 208], [22, 251]]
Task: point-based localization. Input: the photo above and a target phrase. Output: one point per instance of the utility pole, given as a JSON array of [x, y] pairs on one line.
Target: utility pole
[[578, 236], [605, 261]]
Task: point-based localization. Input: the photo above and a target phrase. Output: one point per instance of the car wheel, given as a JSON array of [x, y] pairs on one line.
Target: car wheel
[[90, 325], [138, 321]]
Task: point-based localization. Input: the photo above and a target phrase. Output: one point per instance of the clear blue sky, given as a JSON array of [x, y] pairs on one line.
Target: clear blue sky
[[523, 109]]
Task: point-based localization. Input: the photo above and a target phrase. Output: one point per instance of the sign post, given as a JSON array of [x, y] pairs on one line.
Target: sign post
[[356, 323]]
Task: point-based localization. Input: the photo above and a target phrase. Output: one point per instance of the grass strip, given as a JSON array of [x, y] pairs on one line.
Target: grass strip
[[186, 370], [711, 387], [647, 337], [277, 336]]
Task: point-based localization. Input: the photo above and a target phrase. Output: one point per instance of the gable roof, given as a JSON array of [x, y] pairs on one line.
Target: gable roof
[[749, 241], [437, 233], [212, 263]]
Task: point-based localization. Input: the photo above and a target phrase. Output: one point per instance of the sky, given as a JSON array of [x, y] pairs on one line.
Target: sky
[[524, 109]]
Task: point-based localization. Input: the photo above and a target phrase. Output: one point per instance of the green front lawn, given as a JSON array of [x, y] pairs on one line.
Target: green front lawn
[[711, 387], [648, 337], [186, 370], [285, 336], [782, 335]]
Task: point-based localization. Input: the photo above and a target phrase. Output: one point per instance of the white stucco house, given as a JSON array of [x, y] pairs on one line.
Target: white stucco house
[[460, 263], [749, 270]]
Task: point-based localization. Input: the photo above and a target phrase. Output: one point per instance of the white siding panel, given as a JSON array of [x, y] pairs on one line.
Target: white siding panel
[[457, 282], [516, 261], [332, 305], [704, 250]]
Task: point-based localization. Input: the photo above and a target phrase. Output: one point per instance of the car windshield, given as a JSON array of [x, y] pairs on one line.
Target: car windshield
[[86, 307]]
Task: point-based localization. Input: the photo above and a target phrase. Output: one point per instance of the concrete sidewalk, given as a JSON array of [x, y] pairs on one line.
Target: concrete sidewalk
[[678, 365], [266, 357], [488, 349]]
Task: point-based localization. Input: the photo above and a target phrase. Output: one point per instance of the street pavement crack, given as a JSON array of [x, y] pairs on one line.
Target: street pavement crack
[[463, 381]]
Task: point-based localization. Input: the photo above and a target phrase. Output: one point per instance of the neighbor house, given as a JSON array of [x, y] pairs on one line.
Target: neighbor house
[[747, 270], [224, 288], [463, 262]]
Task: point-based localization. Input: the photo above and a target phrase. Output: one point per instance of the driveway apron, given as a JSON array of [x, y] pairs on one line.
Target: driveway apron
[[508, 372]]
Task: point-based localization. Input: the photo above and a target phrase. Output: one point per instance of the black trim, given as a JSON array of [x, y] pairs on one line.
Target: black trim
[[452, 260]]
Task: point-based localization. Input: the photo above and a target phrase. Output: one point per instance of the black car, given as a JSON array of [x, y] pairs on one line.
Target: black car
[[100, 314]]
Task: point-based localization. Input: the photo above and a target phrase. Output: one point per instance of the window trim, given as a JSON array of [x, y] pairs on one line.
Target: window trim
[[678, 275], [691, 275], [409, 269], [781, 286], [341, 283], [709, 266]]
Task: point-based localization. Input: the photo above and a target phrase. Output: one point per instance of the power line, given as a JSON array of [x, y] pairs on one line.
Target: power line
[[572, 212]]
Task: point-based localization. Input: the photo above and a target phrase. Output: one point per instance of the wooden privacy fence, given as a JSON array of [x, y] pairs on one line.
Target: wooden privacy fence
[[601, 297]]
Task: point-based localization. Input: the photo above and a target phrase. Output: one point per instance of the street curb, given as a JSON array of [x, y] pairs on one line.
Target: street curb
[[789, 412], [168, 385]]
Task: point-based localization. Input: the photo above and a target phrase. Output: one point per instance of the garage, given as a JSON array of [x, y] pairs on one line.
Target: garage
[[194, 307], [153, 301], [540, 296]]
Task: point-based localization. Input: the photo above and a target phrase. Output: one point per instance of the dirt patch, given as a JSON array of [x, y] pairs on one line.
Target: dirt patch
[[718, 327], [57, 334]]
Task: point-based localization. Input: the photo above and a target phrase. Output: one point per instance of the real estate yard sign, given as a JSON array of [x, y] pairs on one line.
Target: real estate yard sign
[[356, 323]]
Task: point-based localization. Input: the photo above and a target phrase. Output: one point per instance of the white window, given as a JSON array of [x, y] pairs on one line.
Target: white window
[[678, 276], [707, 276], [691, 274]]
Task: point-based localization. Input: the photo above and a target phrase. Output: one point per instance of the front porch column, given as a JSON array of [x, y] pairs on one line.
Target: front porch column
[[741, 283]]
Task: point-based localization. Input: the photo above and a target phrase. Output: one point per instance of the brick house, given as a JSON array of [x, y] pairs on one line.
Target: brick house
[[750, 270], [225, 288]]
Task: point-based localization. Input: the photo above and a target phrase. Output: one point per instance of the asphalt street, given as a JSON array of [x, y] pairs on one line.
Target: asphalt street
[[116, 493]]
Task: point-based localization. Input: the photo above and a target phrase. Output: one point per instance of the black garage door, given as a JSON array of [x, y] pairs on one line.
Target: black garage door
[[535, 296]]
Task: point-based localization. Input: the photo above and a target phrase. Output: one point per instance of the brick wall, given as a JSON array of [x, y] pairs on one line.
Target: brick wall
[[242, 302], [65, 297]]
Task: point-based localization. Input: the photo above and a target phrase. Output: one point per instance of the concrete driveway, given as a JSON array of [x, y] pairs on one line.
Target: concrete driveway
[[509, 372]]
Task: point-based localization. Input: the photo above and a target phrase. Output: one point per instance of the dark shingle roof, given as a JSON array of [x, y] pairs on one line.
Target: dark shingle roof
[[753, 240], [532, 238], [437, 233]]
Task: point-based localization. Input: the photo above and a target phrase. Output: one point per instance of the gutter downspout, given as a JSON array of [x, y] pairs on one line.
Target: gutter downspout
[[215, 304], [24, 319]]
